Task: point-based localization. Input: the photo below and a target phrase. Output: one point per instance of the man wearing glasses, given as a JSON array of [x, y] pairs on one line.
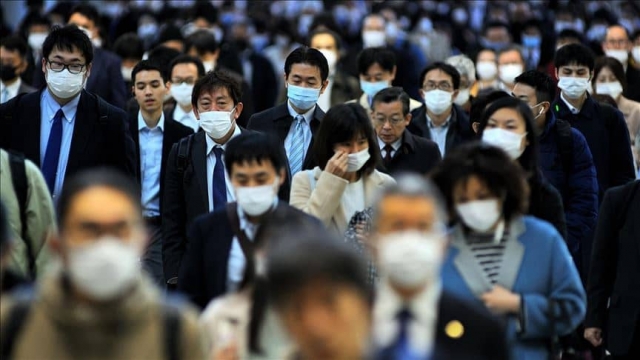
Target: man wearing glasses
[[617, 45], [64, 128], [184, 71], [401, 150]]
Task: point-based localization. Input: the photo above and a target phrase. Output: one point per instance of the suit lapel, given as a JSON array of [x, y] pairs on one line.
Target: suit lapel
[[135, 135], [282, 121], [309, 159], [82, 130], [513, 254], [467, 266], [199, 156], [32, 116]]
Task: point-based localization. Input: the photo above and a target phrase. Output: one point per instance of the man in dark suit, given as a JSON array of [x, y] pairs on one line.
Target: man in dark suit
[[13, 55], [184, 71], [613, 293], [220, 242], [154, 134], [411, 314], [440, 119], [294, 122], [64, 128], [401, 150]]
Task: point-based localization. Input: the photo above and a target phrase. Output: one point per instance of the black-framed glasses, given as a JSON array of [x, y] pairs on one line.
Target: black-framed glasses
[[392, 121], [58, 67], [443, 85]]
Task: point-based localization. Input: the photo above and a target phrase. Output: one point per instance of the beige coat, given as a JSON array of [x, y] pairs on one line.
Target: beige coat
[[413, 104], [631, 111], [324, 200]]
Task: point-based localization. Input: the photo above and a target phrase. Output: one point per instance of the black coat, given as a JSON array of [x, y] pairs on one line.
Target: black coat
[[416, 154], [96, 141], [545, 203], [615, 269], [459, 127]]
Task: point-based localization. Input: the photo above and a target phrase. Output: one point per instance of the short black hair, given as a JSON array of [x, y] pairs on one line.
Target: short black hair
[[88, 11], [255, 146], [15, 43], [148, 65], [129, 46], [169, 32], [203, 41], [68, 38], [574, 54], [163, 56], [376, 55], [392, 94], [570, 34], [214, 80], [444, 67], [96, 177], [614, 65], [635, 35], [493, 167], [341, 123], [33, 18], [335, 35], [310, 56], [495, 24], [543, 84], [186, 59]]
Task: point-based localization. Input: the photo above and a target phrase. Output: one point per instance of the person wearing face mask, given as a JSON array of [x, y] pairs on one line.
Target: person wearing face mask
[[510, 64], [603, 126], [515, 265], [532, 50], [616, 44], [609, 79], [342, 86], [98, 286], [296, 121], [13, 58], [346, 178], [413, 318], [221, 242], [487, 72], [185, 70], [467, 72], [130, 49], [62, 127], [440, 119]]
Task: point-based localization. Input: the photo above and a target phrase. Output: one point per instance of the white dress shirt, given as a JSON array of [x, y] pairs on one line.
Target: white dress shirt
[[211, 164], [422, 327], [186, 119], [150, 164], [306, 130], [10, 91], [324, 101], [439, 133], [395, 146], [574, 110]]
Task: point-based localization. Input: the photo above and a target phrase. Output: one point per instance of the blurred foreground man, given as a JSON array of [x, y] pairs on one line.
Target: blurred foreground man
[[98, 304]]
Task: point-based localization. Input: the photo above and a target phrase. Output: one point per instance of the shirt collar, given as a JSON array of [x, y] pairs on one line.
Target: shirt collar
[[211, 144], [574, 110], [395, 145], [69, 109], [13, 88], [180, 114], [307, 115], [143, 125], [444, 125]]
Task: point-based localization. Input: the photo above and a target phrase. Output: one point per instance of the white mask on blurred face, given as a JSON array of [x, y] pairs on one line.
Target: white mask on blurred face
[[463, 96], [332, 58], [509, 72], [487, 70], [620, 55], [613, 89], [373, 38]]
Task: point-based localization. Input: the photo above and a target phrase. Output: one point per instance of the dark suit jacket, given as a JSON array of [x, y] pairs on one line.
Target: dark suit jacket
[[263, 80], [173, 132], [416, 154], [95, 142], [615, 269], [203, 274], [277, 121], [459, 127]]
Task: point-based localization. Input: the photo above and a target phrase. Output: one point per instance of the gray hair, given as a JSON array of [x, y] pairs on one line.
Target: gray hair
[[464, 65]]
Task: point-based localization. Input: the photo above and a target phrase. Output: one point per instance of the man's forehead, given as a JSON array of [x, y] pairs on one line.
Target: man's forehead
[[438, 75], [217, 92], [73, 53]]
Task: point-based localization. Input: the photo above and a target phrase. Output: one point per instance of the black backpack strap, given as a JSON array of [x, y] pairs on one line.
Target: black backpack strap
[[184, 150], [245, 244], [565, 145], [15, 320], [20, 186], [171, 319]]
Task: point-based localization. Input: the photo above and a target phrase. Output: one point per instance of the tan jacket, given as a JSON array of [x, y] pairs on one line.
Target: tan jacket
[[631, 111], [324, 200], [40, 216], [58, 327], [413, 104]]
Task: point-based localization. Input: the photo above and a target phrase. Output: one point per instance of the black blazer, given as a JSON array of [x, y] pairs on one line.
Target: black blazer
[[459, 127], [25, 89], [615, 265], [416, 154], [277, 121], [173, 132], [96, 142], [203, 274]]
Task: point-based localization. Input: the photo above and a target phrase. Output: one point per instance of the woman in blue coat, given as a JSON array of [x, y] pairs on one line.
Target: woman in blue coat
[[517, 266]]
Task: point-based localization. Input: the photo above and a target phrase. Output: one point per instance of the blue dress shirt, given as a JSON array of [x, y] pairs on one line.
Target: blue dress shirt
[[150, 164]]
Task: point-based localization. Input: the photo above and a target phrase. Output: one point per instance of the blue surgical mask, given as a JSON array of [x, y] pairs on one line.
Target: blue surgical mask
[[531, 41], [493, 45], [302, 97], [372, 88]]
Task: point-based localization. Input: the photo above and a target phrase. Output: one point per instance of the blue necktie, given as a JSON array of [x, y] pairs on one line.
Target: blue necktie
[[219, 185], [52, 155], [401, 347], [296, 155]]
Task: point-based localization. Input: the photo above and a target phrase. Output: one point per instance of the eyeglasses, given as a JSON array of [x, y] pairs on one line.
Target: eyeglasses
[[58, 67], [188, 81], [617, 42], [393, 121], [443, 85]]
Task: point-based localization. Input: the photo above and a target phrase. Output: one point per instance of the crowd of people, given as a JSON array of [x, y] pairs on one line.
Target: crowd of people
[[320, 180]]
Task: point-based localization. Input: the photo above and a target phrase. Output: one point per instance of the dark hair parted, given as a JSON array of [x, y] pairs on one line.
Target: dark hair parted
[[389, 95], [15, 43], [96, 177], [376, 55], [336, 37], [186, 59], [148, 65], [616, 68], [544, 86], [342, 123], [577, 54], [68, 38], [503, 177], [310, 56], [214, 80], [88, 11], [203, 41], [444, 67], [129, 46], [255, 146]]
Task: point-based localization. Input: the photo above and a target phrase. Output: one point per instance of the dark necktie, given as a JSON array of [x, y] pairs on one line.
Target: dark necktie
[[219, 188], [402, 347], [387, 157], [52, 155]]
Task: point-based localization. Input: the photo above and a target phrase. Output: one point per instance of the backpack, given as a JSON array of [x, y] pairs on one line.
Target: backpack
[[184, 153]]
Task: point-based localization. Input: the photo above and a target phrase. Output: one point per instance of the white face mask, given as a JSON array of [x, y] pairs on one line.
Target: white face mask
[[36, 40], [373, 38], [332, 59], [409, 259], [209, 65], [508, 141], [126, 73], [64, 84], [182, 93], [437, 101], [216, 123], [463, 97], [356, 161], [573, 87], [479, 215], [509, 72], [257, 200], [105, 268], [613, 89], [487, 70], [635, 52], [620, 55]]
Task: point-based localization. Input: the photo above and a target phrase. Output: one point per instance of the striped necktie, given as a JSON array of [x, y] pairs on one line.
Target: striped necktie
[[296, 155]]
